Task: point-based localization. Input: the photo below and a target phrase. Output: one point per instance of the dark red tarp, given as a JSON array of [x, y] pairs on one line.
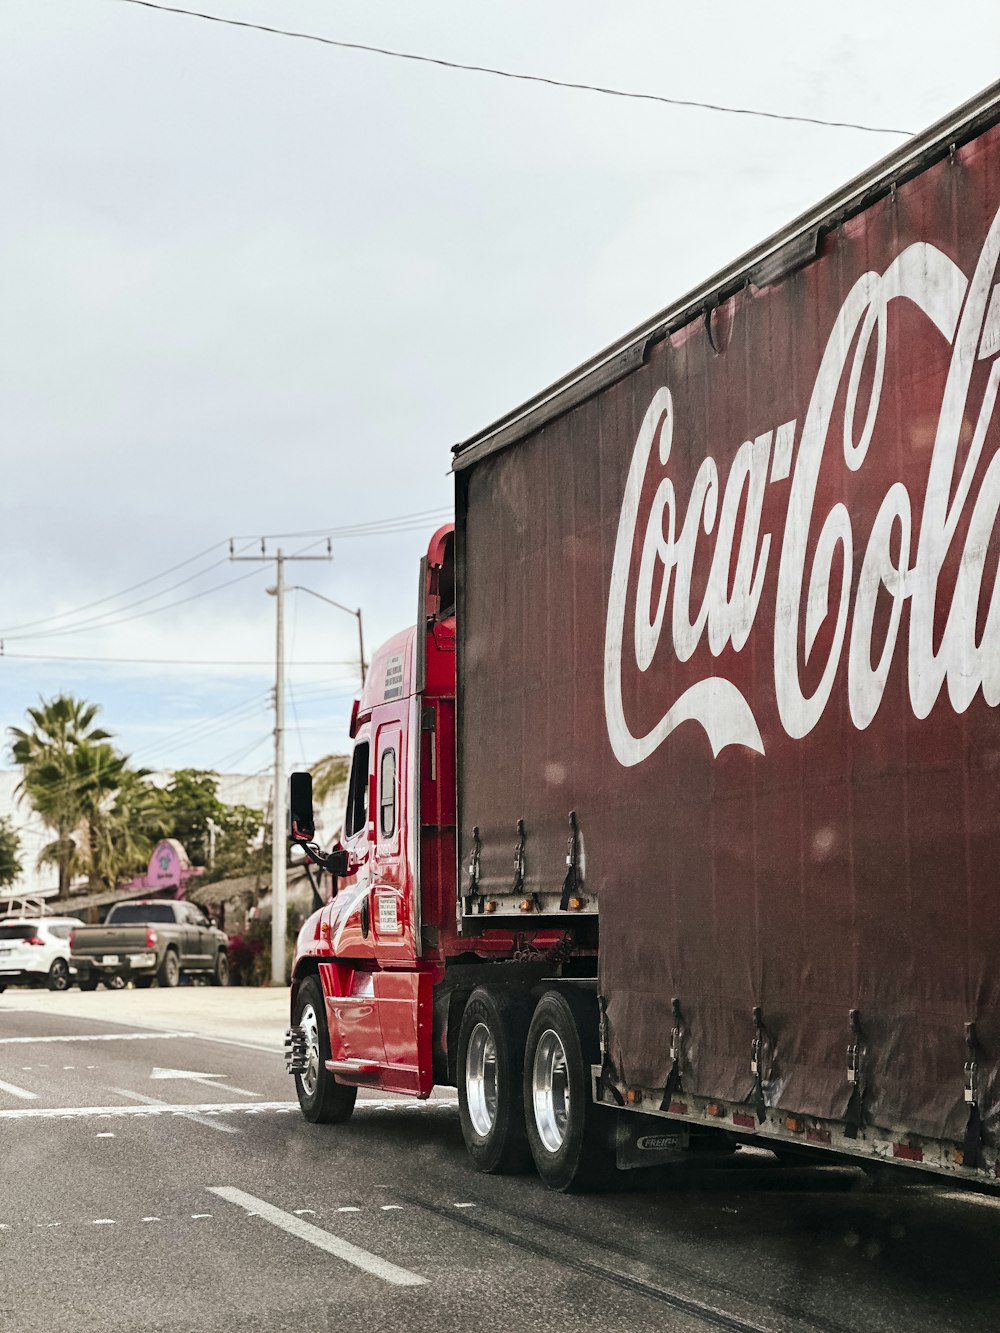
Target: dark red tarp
[[842, 849]]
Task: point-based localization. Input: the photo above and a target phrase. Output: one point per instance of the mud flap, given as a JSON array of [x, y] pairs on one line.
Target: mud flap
[[646, 1140]]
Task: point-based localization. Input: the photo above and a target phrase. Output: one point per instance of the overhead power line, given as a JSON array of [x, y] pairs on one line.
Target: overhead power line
[[113, 597], [139, 615], [374, 528], [512, 74]]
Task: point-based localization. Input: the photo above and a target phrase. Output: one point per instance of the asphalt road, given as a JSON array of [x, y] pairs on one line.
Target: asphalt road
[[155, 1180]]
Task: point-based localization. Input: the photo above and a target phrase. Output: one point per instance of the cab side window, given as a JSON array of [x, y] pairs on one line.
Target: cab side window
[[357, 792], [387, 794]]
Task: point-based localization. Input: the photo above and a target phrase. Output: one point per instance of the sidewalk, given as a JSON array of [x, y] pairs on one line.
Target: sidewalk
[[255, 1015]]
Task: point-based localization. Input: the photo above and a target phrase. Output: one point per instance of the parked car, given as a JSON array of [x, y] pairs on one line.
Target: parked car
[[142, 941], [36, 952]]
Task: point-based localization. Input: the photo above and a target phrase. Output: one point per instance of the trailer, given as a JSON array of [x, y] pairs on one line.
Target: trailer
[[674, 822]]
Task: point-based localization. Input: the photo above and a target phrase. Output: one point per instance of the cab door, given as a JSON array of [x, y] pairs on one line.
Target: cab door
[[392, 906], [349, 915]]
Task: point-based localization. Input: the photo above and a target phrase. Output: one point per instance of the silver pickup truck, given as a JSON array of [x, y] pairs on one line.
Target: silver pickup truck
[[147, 941]]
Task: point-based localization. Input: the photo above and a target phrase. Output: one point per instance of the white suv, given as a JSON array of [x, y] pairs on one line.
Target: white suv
[[36, 952]]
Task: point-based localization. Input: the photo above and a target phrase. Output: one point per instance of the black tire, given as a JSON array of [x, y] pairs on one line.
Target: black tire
[[59, 975], [490, 1078], [169, 974], [88, 983], [220, 973], [322, 1099], [3, 987], [142, 983], [571, 1137]]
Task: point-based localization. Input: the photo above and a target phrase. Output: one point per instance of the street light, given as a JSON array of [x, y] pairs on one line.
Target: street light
[[297, 587]]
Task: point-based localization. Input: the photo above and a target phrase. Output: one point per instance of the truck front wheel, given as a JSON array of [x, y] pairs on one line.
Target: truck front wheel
[[490, 1072], [571, 1137], [323, 1100]]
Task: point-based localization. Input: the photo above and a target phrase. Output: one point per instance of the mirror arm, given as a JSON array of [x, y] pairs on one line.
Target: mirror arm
[[321, 859]]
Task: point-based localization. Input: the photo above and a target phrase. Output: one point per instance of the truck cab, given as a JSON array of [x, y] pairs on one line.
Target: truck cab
[[375, 950]]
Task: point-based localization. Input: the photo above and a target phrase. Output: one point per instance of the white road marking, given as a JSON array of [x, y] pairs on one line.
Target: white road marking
[[153, 1107], [15, 1091], [150, 1108], [190, 1076], [392, 1207], [103, 1222], [177, 1109], [151, 1219], [195, 1216], [465, 1205], [104, 1036], [348, 1210], [69, 1067], [323, 1240], [300, 1212], [105, 1134]]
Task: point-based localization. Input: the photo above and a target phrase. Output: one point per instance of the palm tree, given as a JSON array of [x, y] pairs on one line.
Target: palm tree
[[46, 753]]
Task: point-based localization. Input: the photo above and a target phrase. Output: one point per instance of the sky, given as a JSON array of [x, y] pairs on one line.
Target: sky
[[253, 287]]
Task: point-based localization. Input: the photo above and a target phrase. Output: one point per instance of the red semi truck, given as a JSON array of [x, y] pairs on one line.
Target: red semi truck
[[676, 817]]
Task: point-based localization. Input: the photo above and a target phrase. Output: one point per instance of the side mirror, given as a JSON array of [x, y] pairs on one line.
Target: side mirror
[[300, 807]]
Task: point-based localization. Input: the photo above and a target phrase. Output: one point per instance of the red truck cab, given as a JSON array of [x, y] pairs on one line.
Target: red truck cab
[[381, 972]]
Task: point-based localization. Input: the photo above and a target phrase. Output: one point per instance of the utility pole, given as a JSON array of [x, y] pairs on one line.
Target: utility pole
[[279, 832]]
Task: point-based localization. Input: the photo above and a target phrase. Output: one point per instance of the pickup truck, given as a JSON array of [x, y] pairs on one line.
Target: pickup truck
[[143, 941]]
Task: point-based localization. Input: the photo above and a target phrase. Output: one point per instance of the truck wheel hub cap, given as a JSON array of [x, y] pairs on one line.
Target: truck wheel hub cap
[[481, 1079], [550, 1091], [310, 1029]]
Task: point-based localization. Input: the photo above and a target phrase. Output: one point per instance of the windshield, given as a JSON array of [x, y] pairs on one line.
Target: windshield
[[140, 913]]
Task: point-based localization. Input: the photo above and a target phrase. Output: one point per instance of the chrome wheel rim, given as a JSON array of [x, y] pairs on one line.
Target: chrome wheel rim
[[310, 1028], [481, 1079], [60, 975], [550, 1090]]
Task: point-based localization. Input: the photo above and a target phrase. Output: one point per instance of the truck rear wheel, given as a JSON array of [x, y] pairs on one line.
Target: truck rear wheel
[[322, 1099], [170, 970], [490, 1076], [571, 1137], [220, 973]]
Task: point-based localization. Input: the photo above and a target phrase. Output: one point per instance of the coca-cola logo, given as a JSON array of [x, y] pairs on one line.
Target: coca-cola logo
[[905, 548]]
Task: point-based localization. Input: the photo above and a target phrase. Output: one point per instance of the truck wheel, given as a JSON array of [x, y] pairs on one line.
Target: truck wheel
[[323, 1100], [490, 1077], [220, 973], [170, 970], [59, 975], [142, 983], [571, 1137], [88, 983]]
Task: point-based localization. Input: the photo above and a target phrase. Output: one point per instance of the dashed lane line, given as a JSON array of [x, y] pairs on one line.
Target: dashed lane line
[[323, 1240], [15, 1091]]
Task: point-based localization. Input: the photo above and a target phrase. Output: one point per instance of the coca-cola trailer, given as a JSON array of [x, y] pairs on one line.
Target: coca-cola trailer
[[676, 818]]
